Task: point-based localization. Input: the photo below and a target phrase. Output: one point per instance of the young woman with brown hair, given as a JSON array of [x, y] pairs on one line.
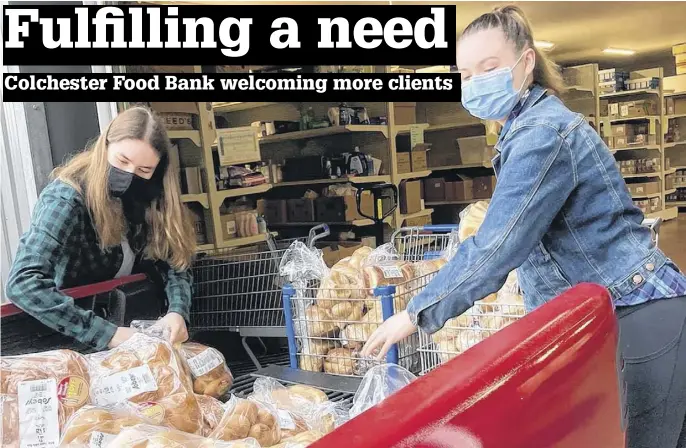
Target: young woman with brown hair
[[561, 215], [109, 206]]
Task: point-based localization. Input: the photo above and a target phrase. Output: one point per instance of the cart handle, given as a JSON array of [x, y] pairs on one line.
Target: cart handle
[[447, 228], [314, 236], [80, 292]]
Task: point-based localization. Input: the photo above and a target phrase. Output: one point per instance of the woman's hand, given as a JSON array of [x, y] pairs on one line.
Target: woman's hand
[[393, 330], [120, 336], [177, 327]]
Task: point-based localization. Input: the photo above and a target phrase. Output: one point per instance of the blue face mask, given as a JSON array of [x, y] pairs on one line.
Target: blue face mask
[[491, 96]]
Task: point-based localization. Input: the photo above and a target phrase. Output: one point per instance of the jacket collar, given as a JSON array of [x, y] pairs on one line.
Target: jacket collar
[[530, 97]]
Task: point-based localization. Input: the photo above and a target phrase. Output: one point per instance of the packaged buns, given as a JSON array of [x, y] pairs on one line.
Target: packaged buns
[[313, 353], [355, 335], [248, 419], [148, 436], [346, 313], [149, 373], [471, 218], [58, 376], [319, 321], [94, 426], [209, 372], [340, 361], [212, 411], [301, 440]]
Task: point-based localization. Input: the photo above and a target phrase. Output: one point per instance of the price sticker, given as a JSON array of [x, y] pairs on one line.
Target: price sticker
[[391, 272], [121, 386], [100, 439], [38, 420], [205, 362]]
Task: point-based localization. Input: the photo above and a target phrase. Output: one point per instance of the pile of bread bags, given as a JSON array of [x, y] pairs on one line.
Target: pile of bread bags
[[147, 393], [337, 316]]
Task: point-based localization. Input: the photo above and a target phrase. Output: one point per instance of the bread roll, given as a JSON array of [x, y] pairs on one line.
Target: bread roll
[[165, 394], [211, 376], [247, 418], [355, 335], [359, 256], [319, 321], [10, 421], [387, 273], [147, 436], [67, 368], [301, 440], [346, 313], [212, 412], [340, 361], [308, 393]]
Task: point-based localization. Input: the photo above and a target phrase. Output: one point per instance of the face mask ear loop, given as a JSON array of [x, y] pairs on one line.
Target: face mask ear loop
[[519, 91]]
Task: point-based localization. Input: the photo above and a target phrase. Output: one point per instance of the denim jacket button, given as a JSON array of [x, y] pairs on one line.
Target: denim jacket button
[[637, 279], [650, 267]]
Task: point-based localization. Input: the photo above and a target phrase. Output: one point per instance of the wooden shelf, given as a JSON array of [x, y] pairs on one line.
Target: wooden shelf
[[238, 192], [646, 196], [204, 247], [674, 93], [414, 175], [202, 198], [192, 135], [676, 203], [633, 176], [463, 166], [673, 116], [247, 241], [353, 180], [419, 214], [405, 128], [670, 171], [643, 118], [323, 132], [673, 144], [237, 106], [637, 147], [356, 223], [630, 92], [450, 126], [439, 203], [673, 190]]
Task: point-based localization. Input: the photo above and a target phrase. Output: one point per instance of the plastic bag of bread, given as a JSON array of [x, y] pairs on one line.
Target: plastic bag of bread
[[471, 218], [146, 371], [247, 418], [211, 376], [355, 335], [148, 436], [300, 440], [9, 411], [59, 378], [93, 426], [212, 411], [377, 384], [344, 280], [314, 351], [340, 361]]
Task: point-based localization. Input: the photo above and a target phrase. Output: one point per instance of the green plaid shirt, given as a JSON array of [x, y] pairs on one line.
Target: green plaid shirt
[[60, 250]]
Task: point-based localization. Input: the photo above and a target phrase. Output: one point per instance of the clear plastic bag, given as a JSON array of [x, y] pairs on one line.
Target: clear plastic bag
[[379, 383], [60, 377], [248, 419], [95, 427], [148, 436], [211, 376], [212, 411], [146, 370], [301, 440], [471, 219]]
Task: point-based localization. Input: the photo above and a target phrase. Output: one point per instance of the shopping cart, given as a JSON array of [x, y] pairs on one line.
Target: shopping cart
[[239, 289]]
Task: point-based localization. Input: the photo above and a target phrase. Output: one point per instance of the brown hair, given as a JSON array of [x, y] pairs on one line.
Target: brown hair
[[171, 236], [514, 24]]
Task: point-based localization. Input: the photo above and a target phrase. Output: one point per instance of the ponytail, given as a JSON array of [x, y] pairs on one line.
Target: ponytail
[[514, 24]]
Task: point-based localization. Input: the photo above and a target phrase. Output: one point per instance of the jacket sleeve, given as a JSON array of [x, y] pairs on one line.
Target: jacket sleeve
[[533, 185], [43, 257], [178, 289]]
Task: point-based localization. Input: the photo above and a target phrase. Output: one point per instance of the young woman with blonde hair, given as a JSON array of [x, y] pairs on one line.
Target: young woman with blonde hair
[[561, 215], [109, 207]]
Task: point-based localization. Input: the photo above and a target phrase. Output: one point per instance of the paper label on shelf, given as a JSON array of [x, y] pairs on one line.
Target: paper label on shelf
[[100, 439], [124, 385], [205, 362], [39, 425], [391, 272], [624, 110], [614, 109], [285, 420], [416, 135]]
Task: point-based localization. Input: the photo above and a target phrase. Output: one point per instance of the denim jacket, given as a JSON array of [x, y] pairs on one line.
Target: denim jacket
[[560, 214]]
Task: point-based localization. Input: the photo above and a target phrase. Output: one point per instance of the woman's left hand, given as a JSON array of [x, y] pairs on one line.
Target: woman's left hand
[[396, 328], [177, 325]]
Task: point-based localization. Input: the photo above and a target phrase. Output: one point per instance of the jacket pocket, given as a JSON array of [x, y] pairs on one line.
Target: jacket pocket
[[548, 271]]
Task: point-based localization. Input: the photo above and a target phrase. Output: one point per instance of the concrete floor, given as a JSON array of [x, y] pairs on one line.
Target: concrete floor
[[673, 240]]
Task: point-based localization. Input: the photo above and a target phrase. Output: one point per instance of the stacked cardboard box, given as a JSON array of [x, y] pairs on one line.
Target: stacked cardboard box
[[612, 80], [628, 135], [679, 52], [639, 166]]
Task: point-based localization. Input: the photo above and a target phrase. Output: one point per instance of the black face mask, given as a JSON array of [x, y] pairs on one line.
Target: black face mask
[[135, 192]]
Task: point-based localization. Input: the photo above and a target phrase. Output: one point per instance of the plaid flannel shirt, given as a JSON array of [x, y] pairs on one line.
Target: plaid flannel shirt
[[667, 283], [60, 250]]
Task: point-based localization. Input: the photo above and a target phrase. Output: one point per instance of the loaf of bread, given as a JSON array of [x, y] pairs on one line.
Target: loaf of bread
[[343, 282], [308, 393], [248, 419], [65, 370], [471, 219], [301, 440], [149, 373], [211, 376], [319, 321], [340, 361], [346, 313], [92, 423], [147, 436], [212, 411]]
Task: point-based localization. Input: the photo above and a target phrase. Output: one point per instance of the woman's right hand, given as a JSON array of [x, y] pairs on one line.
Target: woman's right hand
[[121, 335]]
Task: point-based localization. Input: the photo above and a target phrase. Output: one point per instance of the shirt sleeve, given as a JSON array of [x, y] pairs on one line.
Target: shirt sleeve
[[43, 257], [178, 289], [533, 185]]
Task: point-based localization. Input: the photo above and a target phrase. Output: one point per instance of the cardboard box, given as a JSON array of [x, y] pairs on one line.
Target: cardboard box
[[461, 190], [484, 187], [177, 121], [434, 190], [418, 161], [419, 221], [175, 107], [669, 181], [335, 252], [405, 113], [609, 141], [237, 146], [191, 180], [404, 162], [199, 225], [678, 105], [410, 197], [300, 210], [679, 49], [229, 226], [343, 208], [644, 188], [638, 108], [622, 130], [275, 211], [472, 150], [620, 142]]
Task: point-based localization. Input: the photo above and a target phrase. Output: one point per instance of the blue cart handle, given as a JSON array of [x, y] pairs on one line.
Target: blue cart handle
[[440, 228]]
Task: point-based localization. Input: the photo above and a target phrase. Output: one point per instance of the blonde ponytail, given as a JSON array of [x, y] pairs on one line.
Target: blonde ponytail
[[514, 24]]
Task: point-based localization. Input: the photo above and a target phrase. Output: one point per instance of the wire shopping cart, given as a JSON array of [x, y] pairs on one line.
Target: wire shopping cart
[[240, 290], [327, 324]]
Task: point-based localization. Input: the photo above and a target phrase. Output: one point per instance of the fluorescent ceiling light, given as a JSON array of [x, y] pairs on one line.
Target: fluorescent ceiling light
[[434, 69], [619, 51], [543, 45]]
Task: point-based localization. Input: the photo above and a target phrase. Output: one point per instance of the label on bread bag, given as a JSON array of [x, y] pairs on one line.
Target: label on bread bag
[[100, 439], [152, 411], [39, 426], [391, 272], [285, 420], [124, 385], [205, 362], [72, 391]]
